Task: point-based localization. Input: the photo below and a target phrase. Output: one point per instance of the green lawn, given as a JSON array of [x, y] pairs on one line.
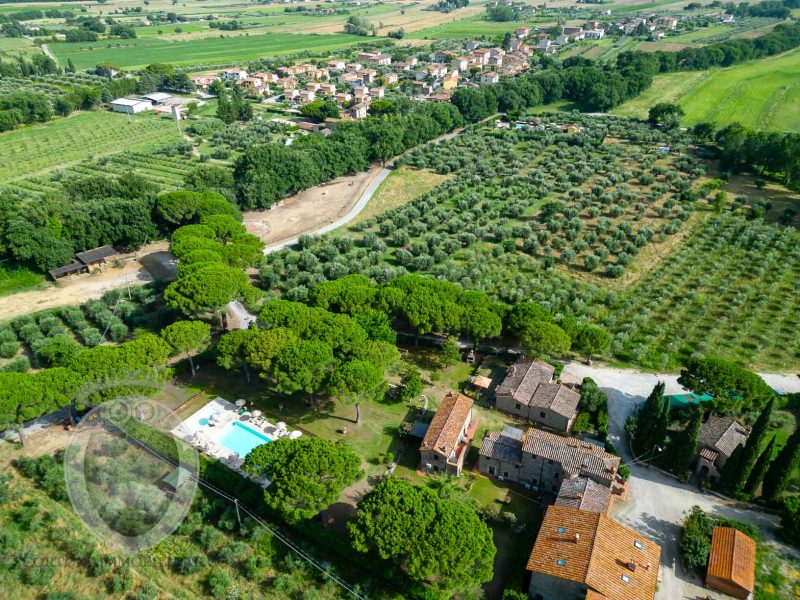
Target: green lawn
[[762, 94], [144, 51], [31, 150], [16, 278]]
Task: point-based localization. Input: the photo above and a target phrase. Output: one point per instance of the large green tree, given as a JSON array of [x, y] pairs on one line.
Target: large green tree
[[357, 381], [733, 387], [306, 475], [303, 366], [187, 338], [438, 542], [591, 339], [647, 420], [207, 288], [544, 339]]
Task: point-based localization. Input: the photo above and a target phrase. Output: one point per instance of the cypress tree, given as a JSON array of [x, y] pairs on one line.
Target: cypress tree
[[752, 448], [781, 469], [70, 66], [730, 471], [662, 425], [685, 448], [647, 420], [760, 469]]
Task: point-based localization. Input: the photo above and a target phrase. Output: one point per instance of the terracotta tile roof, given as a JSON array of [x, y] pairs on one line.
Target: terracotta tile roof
[[709, 454], [613, 561], [505, 445], [585, 494], [722, 434], [445, 429], [481, 382], [523, 377], [575, 456], [732, 557]]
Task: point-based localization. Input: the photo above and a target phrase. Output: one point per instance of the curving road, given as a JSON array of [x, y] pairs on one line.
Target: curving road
[[354, 211]]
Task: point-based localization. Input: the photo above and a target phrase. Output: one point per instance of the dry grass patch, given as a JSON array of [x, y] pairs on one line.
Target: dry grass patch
[[402, 186]]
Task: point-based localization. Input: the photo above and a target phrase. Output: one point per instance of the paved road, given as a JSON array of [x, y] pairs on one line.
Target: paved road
[[656, 501], [354, 211]]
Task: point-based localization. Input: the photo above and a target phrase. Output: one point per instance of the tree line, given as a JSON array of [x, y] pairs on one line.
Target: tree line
[[267, 173], [766, 152]]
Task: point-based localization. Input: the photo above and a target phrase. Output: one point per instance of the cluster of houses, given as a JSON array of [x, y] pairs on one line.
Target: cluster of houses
[[580, 551], [355, 85], [657, 27]]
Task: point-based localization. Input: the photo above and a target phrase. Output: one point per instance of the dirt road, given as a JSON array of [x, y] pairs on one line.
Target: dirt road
[[76, 289]]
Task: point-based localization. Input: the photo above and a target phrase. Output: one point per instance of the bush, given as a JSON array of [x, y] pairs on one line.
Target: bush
[[189, 564]]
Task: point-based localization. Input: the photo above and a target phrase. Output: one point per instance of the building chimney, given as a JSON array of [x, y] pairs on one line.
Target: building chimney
[[577, 538], [631, 566]]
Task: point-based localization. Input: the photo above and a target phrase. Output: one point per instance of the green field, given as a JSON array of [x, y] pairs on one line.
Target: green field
[[145, 51], [36, 149], [763, 94], [469, 27]]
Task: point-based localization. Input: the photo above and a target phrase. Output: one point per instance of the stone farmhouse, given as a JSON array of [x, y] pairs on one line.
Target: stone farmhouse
[[528, 392], [582, 554], [718, 438], [449, 435], [543, 461]]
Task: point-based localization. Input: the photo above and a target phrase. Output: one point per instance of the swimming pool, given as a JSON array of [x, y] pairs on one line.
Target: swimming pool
[[242, 439]]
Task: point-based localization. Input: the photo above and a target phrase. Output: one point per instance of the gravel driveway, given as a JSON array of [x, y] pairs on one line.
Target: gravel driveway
[[656, 502]]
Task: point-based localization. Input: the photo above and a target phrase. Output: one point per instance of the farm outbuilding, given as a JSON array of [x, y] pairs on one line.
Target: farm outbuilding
[[86, 262], [157, 98], [732, 563], [130, 105]]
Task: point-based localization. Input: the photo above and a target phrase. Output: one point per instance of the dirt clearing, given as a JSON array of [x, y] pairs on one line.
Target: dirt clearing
[[76, 289], [310, 209]]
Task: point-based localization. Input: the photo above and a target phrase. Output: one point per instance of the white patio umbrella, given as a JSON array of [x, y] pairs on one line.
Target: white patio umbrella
[[241, 402], [256, 413], [281, 425], [295, 434]]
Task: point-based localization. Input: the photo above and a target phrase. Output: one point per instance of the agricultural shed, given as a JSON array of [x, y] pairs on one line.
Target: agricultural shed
[[732, 563], [681, 400], [96, 256], [157, 97], [73, 267], [130, 105]]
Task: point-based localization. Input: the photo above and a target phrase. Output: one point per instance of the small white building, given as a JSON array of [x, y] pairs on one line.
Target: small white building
[[489, 78], [157, 98], [130, 105]]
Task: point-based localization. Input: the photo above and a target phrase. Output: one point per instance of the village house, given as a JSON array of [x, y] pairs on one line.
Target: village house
[[583, 554], [313, 86], [442, 56], [450, 81], [570, 31], [728, 18], [472, 45], [732, 563], [449, 434], [668, 22], [718, 438], [350, 79], [306, 96], [367, 75], [434, 70], [289, 82], [233, 74], [496, 61], [460, 63], [343, 97], [390, 78], [522, 32], [358, 111], [375, 58], [327, 89], [377, 92], [482, 55], [489, 78], [290, 93], [252, 85], [353, 67], [336, 65], [528, 392], [421, 88], [266, 77], [361, 94], [595, 34], [318, 74], [204, 82], [542, 460]]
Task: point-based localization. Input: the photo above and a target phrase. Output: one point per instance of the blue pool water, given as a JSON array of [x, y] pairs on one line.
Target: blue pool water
[[242, 439]]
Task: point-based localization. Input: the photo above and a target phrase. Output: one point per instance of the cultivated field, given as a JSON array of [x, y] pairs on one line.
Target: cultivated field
[[37, 149], [145, 51], [762, 94]]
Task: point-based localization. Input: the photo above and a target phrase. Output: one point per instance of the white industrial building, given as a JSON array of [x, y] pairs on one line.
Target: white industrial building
[[130, 105]]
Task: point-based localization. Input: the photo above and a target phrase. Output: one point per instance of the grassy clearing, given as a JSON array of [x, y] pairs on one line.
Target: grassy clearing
[[777, 574], [142, 52], [461, 28], [761, 94], [403, 185], [31, 150], [15, 278]]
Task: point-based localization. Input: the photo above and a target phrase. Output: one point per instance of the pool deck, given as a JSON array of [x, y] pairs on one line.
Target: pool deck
[[197, 431]]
